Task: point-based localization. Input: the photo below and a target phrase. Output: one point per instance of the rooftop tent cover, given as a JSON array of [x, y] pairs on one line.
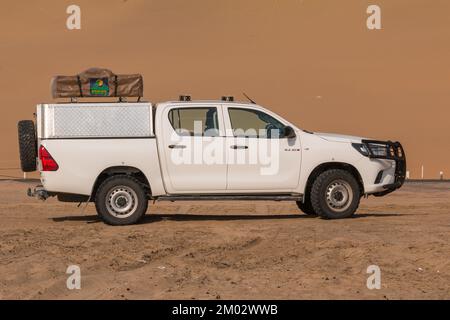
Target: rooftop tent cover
[[97, 82]]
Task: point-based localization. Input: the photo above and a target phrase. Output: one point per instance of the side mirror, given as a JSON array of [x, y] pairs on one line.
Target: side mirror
[[289, 132]]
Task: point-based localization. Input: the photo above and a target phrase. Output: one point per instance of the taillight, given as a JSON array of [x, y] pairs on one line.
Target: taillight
[[48, 163]]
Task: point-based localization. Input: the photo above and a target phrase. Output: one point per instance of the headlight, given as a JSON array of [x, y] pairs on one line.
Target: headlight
[[361, 148], [378, 150]]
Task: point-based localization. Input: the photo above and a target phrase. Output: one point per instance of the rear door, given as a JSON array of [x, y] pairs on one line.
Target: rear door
[[192, 144]]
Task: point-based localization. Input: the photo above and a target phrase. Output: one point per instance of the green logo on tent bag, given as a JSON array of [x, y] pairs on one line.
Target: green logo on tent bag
[[99, 87]]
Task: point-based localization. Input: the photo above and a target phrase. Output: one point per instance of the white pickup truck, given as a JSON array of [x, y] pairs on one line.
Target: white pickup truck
[[120, 155]]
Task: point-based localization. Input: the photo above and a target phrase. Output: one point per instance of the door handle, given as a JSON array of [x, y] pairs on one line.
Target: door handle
[[239, 147], [177, 146]]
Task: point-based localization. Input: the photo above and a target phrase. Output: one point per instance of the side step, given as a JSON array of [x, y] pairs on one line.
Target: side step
[[221, 197]]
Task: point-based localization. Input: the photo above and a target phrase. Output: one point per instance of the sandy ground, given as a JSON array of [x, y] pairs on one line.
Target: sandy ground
[[232, 250]]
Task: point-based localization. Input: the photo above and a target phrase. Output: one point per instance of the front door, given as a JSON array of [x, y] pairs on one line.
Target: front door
[[191, 134], [259, 158]]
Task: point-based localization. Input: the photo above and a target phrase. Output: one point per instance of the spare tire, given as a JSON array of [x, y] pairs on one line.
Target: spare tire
[[27, 145]]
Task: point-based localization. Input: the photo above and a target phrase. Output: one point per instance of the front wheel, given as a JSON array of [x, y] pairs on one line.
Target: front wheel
[[306, 207], [121, 200], [335, 194]]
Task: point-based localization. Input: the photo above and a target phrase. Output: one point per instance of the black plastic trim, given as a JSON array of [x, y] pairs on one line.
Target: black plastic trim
[[379, 176]]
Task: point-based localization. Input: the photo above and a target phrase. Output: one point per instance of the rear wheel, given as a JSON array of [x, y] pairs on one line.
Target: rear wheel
[[121, 200], [27, 145], [335, 194]]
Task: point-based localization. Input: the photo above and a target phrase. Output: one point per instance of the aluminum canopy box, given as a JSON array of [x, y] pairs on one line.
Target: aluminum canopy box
[[94, 120]]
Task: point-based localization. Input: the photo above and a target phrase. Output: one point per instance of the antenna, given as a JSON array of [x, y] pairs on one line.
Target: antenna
[[249, 99]]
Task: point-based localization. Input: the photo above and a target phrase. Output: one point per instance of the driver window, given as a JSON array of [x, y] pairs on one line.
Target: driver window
[[254, 123]]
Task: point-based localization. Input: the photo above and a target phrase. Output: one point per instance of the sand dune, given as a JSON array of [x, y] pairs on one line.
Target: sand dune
[[388, 84]]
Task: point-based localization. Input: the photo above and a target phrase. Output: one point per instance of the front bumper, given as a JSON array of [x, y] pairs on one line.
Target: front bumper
[[394, 151]]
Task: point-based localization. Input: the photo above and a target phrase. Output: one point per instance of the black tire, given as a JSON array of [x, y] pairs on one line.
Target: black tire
[[27, 145], [121, 200], [306, 207], [335, 194]]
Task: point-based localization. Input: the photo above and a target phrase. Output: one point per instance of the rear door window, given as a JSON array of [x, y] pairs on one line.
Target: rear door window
[[202, 121]]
